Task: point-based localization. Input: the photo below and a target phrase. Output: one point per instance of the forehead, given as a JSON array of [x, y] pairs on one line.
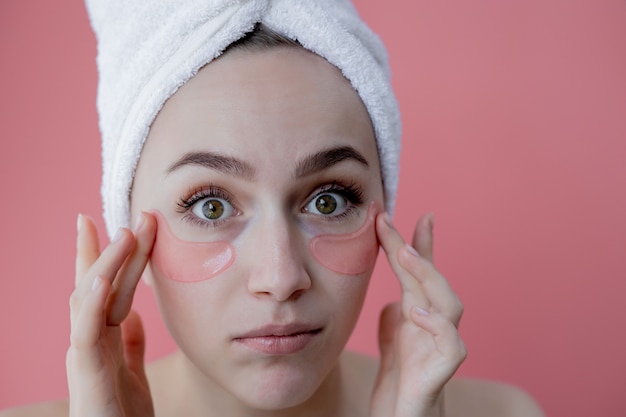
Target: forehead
[[280, 103]]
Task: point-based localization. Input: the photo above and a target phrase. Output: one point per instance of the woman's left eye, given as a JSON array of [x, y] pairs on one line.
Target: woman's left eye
[[327, 204], [212, 209]]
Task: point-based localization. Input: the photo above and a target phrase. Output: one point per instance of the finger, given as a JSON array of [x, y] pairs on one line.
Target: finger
[[125, 284], [87, 325], [390, 317], [110, 260], [446, 336], [87, 246], [69, 368], [423, 236], [433, 283], [386, 379], [106, 266], [392, 243], [134, 345]]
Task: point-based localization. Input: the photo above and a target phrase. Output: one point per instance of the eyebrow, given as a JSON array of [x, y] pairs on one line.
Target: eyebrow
[[226, 164], [325, 159], [229, 165]]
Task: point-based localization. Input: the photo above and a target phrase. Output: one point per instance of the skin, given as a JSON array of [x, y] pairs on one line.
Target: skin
[[250, 105], [275, 279]]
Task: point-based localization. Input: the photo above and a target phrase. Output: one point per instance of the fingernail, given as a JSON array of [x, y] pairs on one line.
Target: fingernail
[[118, 235], [79, 223], [412, 250], [97, 283], [387, 220], [139, 222], [431, 221], [420, 311]]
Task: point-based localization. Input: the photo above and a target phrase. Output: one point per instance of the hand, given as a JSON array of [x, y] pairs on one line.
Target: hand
[[105, 365], [418, 338]]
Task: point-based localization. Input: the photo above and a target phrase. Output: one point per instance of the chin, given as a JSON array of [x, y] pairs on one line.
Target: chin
[[279, 388]]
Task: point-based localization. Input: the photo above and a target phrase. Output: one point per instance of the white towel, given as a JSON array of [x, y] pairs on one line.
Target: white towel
[[147, 49]]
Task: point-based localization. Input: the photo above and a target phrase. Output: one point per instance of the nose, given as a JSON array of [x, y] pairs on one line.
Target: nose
[[277, 255]]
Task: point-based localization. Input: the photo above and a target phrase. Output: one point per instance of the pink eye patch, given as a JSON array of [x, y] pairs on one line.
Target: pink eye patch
[[188, 261], [350, 254]]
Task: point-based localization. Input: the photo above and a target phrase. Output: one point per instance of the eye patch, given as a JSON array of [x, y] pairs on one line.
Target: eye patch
[[349, 254], [184, 261]]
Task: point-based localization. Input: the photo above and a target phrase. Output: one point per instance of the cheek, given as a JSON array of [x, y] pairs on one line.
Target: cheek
[[351, 254], [189, 261], [194, 315]]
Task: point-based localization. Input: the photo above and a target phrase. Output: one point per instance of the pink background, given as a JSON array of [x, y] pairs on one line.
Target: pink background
[[515, 125]]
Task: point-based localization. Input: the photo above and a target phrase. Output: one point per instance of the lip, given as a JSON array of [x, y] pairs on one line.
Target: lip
[[279, 339]]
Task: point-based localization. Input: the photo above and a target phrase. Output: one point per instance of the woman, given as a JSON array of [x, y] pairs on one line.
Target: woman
[[259, 203]]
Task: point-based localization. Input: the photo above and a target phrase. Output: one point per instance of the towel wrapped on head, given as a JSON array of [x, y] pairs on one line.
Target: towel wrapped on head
[[148, 49]]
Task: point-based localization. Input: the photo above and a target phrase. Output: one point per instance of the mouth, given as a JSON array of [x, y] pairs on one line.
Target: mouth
[[279, 340]]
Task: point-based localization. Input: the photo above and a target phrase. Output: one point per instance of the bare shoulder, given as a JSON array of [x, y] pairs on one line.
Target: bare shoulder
[[464, 397], [475, 397], [49, 409], [158, 373]]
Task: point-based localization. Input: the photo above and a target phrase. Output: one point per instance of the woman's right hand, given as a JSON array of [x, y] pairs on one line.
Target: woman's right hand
[[105, 360]]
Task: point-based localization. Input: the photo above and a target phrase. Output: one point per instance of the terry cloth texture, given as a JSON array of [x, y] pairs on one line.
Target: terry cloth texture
[[148, 49]]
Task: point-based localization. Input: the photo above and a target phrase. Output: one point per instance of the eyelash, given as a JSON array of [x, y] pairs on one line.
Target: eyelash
[[197, 194], [193, 196], [350, 190]]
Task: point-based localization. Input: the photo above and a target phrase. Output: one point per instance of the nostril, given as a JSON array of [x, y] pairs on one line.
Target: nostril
[[297, 294], [280, 287]]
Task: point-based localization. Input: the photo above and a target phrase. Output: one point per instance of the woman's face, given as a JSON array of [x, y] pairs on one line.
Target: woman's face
[[262, 153]]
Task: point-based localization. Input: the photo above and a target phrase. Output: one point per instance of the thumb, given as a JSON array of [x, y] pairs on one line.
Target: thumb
[[134, 344], [423, 236], [383, 398], [389, 320]]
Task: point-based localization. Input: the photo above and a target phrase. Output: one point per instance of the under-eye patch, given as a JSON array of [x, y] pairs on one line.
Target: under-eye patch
[[349, 254], [184, 261]]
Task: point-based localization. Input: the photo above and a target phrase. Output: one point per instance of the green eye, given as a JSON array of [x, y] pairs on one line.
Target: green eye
[[326, 204], [212, 209]]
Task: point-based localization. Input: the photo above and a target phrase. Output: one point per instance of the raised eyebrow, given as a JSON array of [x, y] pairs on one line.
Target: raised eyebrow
[[226, 164], [324, 159]]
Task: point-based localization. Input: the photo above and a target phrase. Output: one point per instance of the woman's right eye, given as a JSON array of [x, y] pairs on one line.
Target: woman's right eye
[[212, 209]]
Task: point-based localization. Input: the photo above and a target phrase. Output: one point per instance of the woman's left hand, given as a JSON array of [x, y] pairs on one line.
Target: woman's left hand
[[419, 342]]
